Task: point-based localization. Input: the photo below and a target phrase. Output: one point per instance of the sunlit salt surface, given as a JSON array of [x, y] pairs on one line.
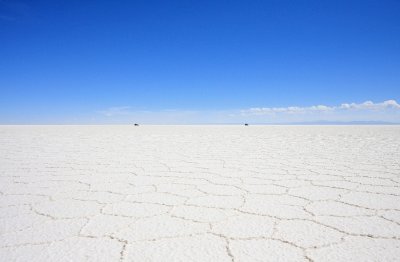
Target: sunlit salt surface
[[199, 193]]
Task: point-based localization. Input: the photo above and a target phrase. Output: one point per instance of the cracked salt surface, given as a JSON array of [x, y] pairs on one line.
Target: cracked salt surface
[[199, 193]]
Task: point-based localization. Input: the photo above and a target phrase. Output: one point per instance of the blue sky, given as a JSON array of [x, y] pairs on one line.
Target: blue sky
[[198, 61]]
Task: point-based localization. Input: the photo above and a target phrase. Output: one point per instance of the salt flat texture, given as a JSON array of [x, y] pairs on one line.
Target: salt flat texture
[[200, 193]]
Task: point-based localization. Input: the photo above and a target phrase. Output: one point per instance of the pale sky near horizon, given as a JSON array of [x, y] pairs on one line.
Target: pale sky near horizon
[[199, 61]]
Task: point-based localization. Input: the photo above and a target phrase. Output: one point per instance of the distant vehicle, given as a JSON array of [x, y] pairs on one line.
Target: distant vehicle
[[246, 124], [136, 124]]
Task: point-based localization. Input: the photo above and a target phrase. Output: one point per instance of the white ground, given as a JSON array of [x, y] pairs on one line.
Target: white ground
[[199, 193]]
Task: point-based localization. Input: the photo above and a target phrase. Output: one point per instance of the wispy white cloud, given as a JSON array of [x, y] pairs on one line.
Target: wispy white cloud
[[288, 110], [387, 111], [367, 105]]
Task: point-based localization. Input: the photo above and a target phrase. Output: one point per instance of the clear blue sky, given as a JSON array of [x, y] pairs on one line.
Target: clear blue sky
[[66, 60]]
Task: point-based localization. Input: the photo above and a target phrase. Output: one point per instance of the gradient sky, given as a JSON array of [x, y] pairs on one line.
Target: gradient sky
[[203, 61]]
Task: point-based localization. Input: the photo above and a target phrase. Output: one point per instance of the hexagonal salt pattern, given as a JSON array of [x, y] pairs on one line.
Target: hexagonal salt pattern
[[199, 193]]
